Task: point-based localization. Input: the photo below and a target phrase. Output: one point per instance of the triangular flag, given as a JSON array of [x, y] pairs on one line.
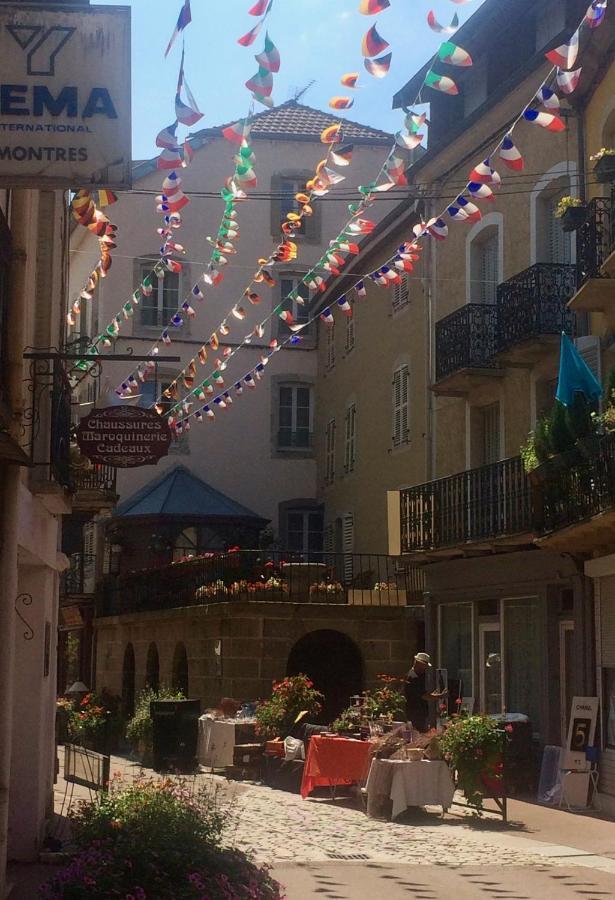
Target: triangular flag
[[441, 83], [510, 156], [270, 57], [545, 120], [184, 19], [372, 43], [565, 55], [442, 29], [567, 81], [378, 68], [373, 7], [453, 55]]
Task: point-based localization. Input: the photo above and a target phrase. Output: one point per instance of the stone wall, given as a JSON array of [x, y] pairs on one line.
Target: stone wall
[[256, 639]]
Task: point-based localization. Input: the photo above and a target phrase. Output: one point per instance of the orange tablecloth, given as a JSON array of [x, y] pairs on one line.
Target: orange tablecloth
[[332, 761]]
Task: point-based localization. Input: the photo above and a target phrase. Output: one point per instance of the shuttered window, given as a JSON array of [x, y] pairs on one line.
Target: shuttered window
[[299, 311], [295, 417], [330, 452], [348, 542], [330, 332], [158, 309], [284, 188], [488, 255], [350, 438], [349, 343], [90, 537], [401, 417], [589, 349], [401, 294], [559, 246], [490, 418]]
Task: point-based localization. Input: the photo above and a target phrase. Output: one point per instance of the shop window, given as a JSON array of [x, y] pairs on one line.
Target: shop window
[[456, 644]]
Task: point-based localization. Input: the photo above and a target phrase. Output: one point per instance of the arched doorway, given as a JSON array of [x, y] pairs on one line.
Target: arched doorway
[[128, 682], [152, 668], [180, 669], [334, 663]]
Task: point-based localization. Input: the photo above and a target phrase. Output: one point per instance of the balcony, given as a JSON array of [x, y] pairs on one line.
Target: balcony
[[94, 487], [79, 580], [532, 312], [596, 259], [465, 347], [254, 576], [576, 512], [483, 506]]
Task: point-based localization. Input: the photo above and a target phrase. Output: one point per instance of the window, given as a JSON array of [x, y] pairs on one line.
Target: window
[[330, 346], [300, 312], [349, 343], [490, 433], [552, 244], [401, 294], [401, 431], [330, 452], [295, 417], [559, 246], [456, 645], [305, 531], [350, 438], [289, 188], [158, 309], [487, 269], [523, 656]]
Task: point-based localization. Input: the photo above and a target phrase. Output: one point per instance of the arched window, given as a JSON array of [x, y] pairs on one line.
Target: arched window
[[180, 669], [128, 681], [550, 243], [484, 263], [152, 668]]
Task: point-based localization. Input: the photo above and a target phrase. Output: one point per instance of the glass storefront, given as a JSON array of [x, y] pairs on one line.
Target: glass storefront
[[456, 644]]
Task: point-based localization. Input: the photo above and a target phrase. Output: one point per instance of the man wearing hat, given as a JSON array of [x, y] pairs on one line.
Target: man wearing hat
[[417, 693]]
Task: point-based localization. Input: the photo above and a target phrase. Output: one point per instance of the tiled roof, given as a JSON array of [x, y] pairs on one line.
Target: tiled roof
[[178, 492], [293, 119]]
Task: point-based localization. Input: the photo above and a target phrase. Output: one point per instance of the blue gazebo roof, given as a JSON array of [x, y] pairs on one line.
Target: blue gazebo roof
[[178, 492]]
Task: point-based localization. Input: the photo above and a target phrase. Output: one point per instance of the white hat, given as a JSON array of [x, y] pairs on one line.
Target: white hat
[[424, 658]]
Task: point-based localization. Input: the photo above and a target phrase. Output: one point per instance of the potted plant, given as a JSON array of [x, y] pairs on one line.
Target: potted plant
[[472, 746], [535, 453], [604, 165], [583, 424], [572, 211], [89, 722], [290, 697]]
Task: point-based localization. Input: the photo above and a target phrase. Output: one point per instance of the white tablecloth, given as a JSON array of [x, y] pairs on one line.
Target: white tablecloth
[[423, 783], [217, 741]]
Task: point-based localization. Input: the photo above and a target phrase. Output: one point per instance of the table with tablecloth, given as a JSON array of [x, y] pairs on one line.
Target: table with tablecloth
[[397, 784], [333, 761], [218, 738]]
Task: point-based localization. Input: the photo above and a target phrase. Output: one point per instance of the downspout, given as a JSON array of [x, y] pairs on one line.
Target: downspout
[[430, 300]]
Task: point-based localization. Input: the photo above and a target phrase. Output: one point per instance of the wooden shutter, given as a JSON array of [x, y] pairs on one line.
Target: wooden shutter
[[491, 433], [90, 538], [330, 453], [349, 438], [348, 543], [400, 405], [589, 349], [330, 345], [401, 294], [328, 539], [489, 270]]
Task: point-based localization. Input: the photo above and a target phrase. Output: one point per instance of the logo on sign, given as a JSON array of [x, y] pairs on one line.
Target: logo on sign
[[42, 45]]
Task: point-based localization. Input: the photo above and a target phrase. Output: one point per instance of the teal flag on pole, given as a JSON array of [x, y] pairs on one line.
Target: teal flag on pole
[[575, 375]]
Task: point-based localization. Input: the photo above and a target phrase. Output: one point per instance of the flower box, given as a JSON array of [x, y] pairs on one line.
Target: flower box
[[377, 598], [604, 168], [574, 218]]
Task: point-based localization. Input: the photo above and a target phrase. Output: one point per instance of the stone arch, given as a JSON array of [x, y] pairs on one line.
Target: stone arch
[[333, 662], [128, 681], [180, 669], [152, 667]]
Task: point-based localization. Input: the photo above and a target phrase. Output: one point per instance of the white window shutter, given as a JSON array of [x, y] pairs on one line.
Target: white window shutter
[[90, 538], [401, 294], [589, 349], [560, 248], [401, 419], [328, 539], [489, 270], [348, 542]]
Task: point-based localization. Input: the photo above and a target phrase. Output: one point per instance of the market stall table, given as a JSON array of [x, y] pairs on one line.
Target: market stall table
[[218, 738], [406, 783], [333, 761]]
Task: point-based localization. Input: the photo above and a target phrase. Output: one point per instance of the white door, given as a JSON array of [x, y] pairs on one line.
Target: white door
[[566, 688], [490, 660]]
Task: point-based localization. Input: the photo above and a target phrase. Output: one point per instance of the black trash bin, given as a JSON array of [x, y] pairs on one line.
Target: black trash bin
[[175, 728]]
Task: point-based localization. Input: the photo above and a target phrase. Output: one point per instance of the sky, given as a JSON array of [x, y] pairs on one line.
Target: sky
[[318, 40]]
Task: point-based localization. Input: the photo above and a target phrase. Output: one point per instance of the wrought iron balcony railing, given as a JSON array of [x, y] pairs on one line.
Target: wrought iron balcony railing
[[466, 339], [478, 504], [575, 493], [595, 238], [80, 578], [98, 478], [533, 303], [257, 576]]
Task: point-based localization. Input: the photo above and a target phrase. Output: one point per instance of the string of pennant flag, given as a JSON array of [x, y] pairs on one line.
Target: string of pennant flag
[[483, 178]]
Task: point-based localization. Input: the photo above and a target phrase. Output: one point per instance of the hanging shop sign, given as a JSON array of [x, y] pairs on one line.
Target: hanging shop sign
[[124, 437], [65, 111]]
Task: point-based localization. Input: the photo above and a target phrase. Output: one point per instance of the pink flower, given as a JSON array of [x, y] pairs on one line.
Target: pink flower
[[508, 728]]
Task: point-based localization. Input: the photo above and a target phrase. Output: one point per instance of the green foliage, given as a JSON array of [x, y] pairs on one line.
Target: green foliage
[[348, 720], [384, 703], [561, 438], [566, 203], [528, 454], [579, 415], [473, 746], [93, 717], [156, 839], [609, 391], [542, 438], [139, 729], [293, 695]]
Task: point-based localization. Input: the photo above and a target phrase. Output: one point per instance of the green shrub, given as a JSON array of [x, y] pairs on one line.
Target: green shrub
[[139, 729], [291, 696], [561, 438]]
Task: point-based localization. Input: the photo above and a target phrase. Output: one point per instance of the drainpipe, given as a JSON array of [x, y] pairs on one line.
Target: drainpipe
[[430, 299]]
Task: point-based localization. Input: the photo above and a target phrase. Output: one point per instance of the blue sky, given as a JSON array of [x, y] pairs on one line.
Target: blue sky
[[318, 40]]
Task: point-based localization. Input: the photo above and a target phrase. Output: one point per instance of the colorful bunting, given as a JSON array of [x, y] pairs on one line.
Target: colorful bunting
[[548, 98], [341, 102], [442, 29], [565, 55], [342, 156], [482, 191], [373, 7], [373, 44], [259, 8], [270, 57], [595, 13], [567, 82], [350, 79], [184, 19], [248, 39], [545, 120], [441, 83], [378, 68], [510, 156], [453, 55]]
